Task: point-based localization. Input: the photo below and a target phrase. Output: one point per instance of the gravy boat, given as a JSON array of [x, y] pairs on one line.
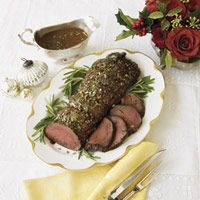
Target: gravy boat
[[88, 24]]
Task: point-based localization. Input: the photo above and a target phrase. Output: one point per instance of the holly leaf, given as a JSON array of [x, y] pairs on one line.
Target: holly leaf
[[144, 14], [125, 34], [174, 11], [168, 59], [165, 24], [130, 19], [156, 15], [161, 6], [124, 20]]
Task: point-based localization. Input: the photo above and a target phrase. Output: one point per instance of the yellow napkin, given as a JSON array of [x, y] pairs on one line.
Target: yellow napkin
[[95, 183]]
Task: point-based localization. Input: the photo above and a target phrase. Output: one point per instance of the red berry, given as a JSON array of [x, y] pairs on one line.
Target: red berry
[[142, 23], [139, 26], [135, 25], [142, 32]]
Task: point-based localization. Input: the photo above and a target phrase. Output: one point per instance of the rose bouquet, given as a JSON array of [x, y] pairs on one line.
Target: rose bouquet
[[174, 26]]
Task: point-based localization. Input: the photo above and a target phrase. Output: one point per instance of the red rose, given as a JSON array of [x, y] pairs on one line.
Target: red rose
[[176, 3], [159, 37], [184, 43], [193, 5], [151, 5]]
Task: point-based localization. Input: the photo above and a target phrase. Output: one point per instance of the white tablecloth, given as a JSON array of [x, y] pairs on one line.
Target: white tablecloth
[[177, 129]]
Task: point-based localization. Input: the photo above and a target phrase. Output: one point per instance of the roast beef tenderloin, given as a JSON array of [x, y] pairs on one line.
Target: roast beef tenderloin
[[105, 84], [120, 131], [62, 135], [129, 114], [102, 137], [135, 101]]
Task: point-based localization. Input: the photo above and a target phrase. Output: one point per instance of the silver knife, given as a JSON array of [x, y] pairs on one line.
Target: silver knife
[[126, 183]]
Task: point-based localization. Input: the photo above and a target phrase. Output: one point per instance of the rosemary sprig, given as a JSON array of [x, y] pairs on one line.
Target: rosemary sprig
[[142, 87], [87, 154], [54, 105], [40, 127], [73, 79], [52, 108]]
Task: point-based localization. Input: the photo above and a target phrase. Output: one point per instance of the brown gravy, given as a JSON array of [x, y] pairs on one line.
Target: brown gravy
[[63, 38]]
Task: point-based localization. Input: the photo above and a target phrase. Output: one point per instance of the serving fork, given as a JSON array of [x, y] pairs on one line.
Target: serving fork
[[151, 165]]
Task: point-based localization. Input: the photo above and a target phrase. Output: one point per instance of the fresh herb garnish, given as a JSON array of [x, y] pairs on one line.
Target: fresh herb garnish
[[54, 105], [52, 108], [73, 79], [87, 154], [142, 87]]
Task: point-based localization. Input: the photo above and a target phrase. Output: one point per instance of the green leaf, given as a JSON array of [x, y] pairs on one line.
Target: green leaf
[[195, 13], [148, 24], [174, 11], [165, 24], [174, 60], [124, 35], [130, 19], [168, 59], [124, 20], [161, 6], [144, 14], [194, 60], [156, 15], [163, 53]]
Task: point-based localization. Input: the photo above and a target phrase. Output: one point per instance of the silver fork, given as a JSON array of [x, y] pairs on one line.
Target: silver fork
[[154, 162], [142, 184]]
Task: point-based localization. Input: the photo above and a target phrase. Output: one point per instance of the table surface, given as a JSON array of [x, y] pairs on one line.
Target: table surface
[[177, 129]]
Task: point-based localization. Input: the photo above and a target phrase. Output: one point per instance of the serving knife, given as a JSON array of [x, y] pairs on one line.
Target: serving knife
[[135, 175]]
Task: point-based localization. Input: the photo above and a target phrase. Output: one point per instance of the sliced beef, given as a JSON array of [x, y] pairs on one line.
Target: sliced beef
[[130, 115], [102, 137], [135, 101], [121, 131], [62, 135], [105, 83]]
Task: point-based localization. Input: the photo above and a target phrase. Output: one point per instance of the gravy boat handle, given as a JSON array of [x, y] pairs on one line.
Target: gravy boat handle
[[21, 37]]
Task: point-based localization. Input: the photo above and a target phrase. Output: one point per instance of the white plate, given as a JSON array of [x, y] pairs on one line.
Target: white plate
[[60, 156]]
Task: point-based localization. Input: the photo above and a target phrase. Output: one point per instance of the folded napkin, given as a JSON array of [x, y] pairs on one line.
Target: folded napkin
[[95, 183]]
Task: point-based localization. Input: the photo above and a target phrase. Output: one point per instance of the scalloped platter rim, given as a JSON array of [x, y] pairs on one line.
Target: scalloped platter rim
[[57, 155]]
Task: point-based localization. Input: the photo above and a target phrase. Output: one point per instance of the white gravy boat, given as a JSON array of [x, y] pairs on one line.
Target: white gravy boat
[[88, 24]]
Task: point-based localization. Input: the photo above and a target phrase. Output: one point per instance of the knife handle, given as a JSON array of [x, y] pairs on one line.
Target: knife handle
[[110, 198], [130, 194]]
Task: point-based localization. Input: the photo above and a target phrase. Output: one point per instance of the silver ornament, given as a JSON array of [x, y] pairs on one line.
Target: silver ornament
[[33, 73], [11, 87], [26, 93]]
